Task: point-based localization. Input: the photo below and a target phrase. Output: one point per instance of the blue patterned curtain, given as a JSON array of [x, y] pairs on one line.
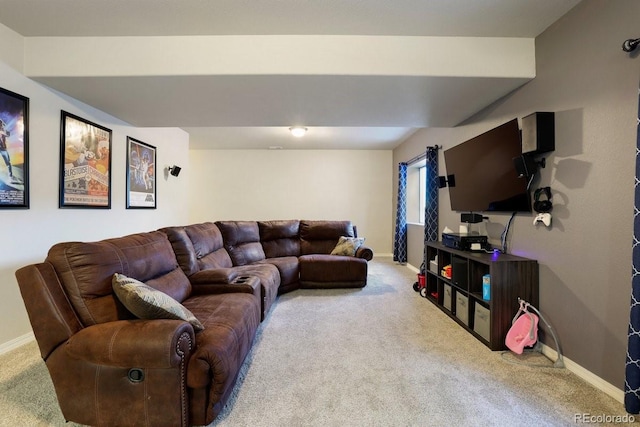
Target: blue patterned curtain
[[400, 241], [632, 369], [431, 205]]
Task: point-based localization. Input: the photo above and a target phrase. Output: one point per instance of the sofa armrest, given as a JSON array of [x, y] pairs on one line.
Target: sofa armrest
[[364, 252], [140, 365], [158, 343], [214, 275]]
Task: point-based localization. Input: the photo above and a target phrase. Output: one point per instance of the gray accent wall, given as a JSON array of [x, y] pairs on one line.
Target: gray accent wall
[[583, 76]]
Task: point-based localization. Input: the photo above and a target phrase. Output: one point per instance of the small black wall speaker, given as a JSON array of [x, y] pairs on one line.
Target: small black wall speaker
[[175, 170], [449, 179], [538, 133]]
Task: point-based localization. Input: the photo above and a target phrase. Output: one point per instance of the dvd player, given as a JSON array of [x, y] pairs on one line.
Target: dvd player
[[465, 241]]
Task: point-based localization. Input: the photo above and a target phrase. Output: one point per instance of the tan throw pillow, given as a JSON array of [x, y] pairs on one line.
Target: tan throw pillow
[[347, 246], [146, 302]]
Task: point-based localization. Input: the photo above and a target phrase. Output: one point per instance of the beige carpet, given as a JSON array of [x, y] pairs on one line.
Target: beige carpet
[[378, 356]]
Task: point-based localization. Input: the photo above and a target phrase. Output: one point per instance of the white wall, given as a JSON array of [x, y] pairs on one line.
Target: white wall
[[27, 234], [296, 184]]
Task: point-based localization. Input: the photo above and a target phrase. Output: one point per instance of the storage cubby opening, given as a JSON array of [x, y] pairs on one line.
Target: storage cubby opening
[[477, 271], [460, 272], [444, 259], [432, 288]]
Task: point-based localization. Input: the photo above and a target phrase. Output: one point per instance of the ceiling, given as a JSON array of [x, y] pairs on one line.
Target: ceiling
[[362, 110]]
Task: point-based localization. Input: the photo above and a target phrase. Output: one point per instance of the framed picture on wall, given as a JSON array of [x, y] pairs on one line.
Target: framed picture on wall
[[141, 175], [14, 150], [85, 163]]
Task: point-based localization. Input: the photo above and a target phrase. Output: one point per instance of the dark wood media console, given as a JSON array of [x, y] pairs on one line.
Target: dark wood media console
[[461, 297]]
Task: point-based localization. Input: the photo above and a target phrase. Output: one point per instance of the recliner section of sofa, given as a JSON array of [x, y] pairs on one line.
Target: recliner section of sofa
[[249, 242], [202, 255], [91, 343], [320, 269]]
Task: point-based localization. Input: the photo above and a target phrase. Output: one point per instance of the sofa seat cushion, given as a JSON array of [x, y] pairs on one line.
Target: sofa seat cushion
[[231, 321], [288, 268], [332, 271]]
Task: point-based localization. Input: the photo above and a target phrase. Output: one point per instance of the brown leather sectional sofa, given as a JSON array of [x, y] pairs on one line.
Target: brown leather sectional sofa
[[110, 368]]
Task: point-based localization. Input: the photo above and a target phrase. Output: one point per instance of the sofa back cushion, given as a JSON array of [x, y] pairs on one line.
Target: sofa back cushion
[[208, 246], [183, 249], [280, 238], [242, 241], [86, 269], [320, 237]]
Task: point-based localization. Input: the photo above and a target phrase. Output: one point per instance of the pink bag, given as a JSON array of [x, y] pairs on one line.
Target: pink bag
[[524, 330]]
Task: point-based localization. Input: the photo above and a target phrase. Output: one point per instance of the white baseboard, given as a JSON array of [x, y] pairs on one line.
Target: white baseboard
[[16, 342], [383, 255], [586, 375], [412, 268], [573, 367]]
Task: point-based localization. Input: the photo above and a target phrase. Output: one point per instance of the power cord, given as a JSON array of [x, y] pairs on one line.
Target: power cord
[[505, 232]]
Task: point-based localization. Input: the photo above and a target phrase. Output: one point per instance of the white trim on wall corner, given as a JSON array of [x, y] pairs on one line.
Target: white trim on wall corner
[[16, 342]]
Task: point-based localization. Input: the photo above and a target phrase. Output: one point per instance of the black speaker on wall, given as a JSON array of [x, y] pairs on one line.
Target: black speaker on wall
[[538, 133]]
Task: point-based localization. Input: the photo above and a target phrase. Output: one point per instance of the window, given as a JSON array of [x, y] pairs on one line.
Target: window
[[416, 192]]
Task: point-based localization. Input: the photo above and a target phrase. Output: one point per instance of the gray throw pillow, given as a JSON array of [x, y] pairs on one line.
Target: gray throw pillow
[[347, 246], [146, 302]]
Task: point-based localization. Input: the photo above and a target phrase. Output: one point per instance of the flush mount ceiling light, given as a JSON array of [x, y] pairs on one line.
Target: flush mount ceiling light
[[298, 131]]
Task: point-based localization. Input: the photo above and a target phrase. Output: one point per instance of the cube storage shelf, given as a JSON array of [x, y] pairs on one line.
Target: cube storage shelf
[[460, 296]]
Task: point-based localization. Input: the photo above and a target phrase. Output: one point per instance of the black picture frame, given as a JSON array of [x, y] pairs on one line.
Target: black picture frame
[[141, 175], [14, 150], [85, 163]]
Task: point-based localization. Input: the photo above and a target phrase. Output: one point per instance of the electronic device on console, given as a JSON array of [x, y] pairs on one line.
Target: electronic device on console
[[465, 241]]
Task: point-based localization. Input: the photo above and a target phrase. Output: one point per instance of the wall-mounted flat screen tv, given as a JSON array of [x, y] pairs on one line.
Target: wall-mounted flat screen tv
[[484, 173]]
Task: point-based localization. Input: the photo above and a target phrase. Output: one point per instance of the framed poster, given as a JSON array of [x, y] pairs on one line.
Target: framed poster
[[85, 163], [14, 150], [141, 174]]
